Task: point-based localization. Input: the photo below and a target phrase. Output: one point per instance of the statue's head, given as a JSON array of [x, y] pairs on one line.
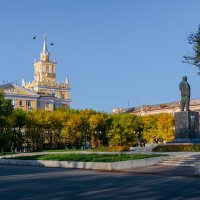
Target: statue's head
[[184, 78]]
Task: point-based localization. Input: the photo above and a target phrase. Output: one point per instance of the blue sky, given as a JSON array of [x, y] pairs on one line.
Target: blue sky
[[116, 53]]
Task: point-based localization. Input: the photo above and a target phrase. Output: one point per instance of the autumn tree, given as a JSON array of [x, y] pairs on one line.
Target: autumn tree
[[74, 130], [150, 128], [158, 128], [166, 127], [124, 129], [98, 125]]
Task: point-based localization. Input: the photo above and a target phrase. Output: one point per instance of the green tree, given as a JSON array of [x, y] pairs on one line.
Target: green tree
[[19, 121], [124, 129], [35, 130], [6, 109], [194, 40]]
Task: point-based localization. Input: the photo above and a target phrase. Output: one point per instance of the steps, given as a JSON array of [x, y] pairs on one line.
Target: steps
[[184, 161]]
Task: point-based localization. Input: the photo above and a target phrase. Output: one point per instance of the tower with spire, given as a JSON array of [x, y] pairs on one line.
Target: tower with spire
[[44, 69], [44, 82]]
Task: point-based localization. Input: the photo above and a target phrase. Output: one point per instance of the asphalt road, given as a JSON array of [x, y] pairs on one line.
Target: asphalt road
[[31, 183]]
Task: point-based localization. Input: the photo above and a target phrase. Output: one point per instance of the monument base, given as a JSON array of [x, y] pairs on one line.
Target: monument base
[[187, 127]]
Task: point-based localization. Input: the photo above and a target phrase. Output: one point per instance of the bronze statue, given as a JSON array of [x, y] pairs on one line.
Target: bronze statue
[[185, 94]]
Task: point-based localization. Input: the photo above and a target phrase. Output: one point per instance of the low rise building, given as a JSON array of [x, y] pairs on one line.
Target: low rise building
[[159, 108]]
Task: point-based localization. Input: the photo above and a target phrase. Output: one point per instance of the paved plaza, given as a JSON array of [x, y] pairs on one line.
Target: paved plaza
[[28, 183]]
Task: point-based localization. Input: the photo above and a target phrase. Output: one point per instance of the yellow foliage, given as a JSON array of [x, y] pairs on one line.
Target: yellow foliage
[[158, 128]]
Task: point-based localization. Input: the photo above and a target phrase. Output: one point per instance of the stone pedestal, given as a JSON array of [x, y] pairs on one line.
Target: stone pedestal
[[187, 126]]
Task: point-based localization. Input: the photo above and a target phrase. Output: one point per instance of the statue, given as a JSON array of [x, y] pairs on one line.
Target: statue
[[185, 94]]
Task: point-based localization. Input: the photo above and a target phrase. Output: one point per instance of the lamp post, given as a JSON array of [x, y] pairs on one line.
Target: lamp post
[[98, 133], [87, 144]]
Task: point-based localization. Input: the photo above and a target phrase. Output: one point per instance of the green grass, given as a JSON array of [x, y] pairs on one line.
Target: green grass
[[65, 150], [88, 157], [6, 153]]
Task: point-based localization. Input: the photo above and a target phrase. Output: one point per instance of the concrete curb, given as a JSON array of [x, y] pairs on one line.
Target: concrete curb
[[86, 165]]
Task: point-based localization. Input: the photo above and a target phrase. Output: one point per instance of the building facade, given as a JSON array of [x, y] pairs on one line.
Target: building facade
[[158, 108], [44, 92]]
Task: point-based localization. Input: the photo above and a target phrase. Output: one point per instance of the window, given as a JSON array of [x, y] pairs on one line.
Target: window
[[20, 103], [56, 105], [47, 69], [63, 96], [47, 105], [29, 103], [38, 104], [53, 69]]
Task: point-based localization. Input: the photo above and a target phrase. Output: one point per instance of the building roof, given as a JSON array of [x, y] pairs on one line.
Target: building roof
[[159, 107], [13, 89]]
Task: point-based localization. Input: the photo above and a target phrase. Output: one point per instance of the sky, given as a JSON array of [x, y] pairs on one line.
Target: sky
[[116, 53]]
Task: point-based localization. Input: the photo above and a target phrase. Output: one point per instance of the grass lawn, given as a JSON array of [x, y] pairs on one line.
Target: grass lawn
[[88, 157], [6, 153], [65, 150]]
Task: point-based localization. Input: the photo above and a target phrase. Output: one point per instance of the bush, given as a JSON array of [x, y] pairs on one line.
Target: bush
[[113, 148], [119, 148], [4, 142], [177, 148]]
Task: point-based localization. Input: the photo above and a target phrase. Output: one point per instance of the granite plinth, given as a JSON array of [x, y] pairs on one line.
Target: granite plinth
[[187, 126]]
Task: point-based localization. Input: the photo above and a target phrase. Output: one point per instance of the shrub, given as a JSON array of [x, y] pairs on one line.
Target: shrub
[[177, 148], [119, 148], [112, 149]]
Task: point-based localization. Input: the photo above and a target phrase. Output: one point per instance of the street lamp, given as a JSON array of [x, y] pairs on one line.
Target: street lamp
[[98, 133], [87, 144]]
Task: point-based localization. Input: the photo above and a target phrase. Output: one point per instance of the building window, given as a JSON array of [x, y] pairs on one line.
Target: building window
[[29, 103], [52, 69], [56, 105], [63, 96], [20, 103], [38, 104], [47, 105], [47, 69]]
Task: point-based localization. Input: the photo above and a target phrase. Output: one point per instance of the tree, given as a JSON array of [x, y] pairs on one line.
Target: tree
[[124, 129], [150, 133], [74, 130], [17, 121], [97, 123], [166, 127], [194, 40], [158, 128], [6, 109]]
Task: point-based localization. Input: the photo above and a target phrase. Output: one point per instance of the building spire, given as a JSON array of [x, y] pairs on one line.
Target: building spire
[[67, 80], [44, 55], [44, 50]]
